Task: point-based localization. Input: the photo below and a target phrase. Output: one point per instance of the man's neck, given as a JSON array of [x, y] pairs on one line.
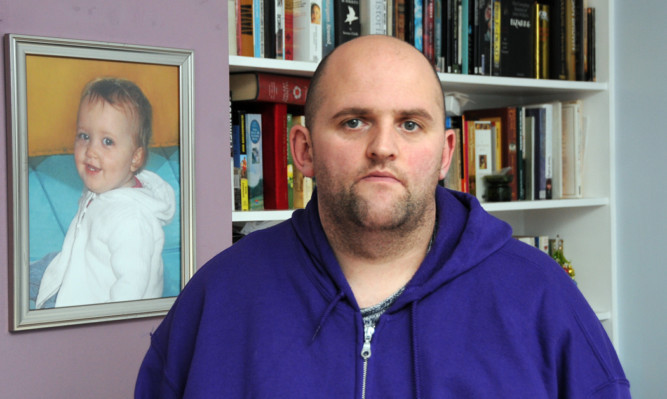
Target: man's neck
[[376, 264]]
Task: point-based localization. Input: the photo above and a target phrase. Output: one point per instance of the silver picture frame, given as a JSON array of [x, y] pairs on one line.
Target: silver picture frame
[[62, 62]]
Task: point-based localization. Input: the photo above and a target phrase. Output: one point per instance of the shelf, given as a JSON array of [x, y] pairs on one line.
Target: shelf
[[469, 84], [513, 206], [545, 204]]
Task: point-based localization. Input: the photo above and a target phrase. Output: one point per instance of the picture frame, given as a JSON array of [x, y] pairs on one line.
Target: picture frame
[[44, 82]]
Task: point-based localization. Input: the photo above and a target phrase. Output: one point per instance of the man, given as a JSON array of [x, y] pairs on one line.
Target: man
[[384, 286]]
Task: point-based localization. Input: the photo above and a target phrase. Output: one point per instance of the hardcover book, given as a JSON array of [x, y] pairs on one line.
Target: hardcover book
[[373, 15], [274, 150], [328, 27], [260, 86]]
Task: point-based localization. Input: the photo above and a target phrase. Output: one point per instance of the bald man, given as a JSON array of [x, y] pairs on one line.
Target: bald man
[[386, 285]]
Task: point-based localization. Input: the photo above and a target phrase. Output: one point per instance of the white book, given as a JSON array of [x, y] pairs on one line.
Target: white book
[[572, 150], [307, 30], [373, 15], [231, 27], [484, 149], [557, 151], [279, 25]]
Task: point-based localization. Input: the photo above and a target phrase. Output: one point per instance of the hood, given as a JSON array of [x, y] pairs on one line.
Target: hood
[[155, 196], [466, 235]]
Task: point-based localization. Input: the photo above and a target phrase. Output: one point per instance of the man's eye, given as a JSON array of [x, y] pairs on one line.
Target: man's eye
[[107, 141], [410, 126], [353, 123]]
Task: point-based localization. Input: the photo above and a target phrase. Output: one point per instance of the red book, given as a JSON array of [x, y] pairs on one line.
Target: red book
[[508, 136], [274, 151], [289, 30], [260, 86]]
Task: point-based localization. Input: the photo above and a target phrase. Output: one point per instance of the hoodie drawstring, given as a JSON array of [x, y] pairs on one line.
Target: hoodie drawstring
[[327, 312], [415, 351]]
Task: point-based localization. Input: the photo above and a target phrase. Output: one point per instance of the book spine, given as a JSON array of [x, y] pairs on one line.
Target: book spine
[[591, 75], [258, 27], [373, 14], [254, 153], [520, 154], [346, 18], [580, 34], [243, 164], [418, 18], [541, 23], [232, 27], [277, 88], [510, 157], [328, 25], [274, 162], [484, 149], [428, 22], [437, 36], [496, 37], [247, 45], [571, 39], [289, 30], [399, 19], [279, 29]]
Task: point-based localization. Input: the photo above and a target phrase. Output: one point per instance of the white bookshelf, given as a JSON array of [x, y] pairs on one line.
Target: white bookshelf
[[587, 225]]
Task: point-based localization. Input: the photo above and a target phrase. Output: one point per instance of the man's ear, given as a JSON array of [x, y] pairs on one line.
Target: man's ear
[[302, 149], [137, 159], [447, 152]]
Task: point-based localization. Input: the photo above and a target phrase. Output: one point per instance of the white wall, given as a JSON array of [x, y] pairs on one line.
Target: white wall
[[641, 166]]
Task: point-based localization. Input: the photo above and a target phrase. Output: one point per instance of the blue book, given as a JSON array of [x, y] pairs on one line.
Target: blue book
[[255, 168], [418, 17]]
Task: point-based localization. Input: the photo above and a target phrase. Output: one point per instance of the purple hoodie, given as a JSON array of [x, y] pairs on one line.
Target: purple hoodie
[[485, 316]]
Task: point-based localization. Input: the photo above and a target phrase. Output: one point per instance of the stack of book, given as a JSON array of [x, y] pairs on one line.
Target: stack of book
[[541, 145], [264, 108], [545, 39]]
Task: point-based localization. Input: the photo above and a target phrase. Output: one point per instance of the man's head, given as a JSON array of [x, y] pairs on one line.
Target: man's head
[[114, 127], [375, 137]]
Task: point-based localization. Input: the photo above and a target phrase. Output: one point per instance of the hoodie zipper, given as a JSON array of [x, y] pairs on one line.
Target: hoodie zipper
[[366, 354]]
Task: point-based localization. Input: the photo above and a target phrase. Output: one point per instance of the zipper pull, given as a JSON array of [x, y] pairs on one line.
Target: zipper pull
[[366, 348]]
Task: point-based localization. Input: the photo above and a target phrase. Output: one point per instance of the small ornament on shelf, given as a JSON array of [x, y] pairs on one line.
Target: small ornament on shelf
[[558, 255]]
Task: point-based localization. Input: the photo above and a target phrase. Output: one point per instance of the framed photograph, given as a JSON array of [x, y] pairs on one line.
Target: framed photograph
[[100, 178]]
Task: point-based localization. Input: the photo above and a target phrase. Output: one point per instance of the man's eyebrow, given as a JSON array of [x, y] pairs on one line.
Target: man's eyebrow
[[406, 113]]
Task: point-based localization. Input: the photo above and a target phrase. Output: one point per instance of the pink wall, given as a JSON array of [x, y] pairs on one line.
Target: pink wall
[[102, 360]]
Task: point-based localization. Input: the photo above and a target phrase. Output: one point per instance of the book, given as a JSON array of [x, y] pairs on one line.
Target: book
[[572, 150], [258, 30], [418, 24], [505, 119], [579, 37], [307, 30], [590, 49], [515, 45], [484, 155], [243, 164], [288, 48], [550, 132], [346, 17], [373, 14], [541, 40], [236, 166], [399, 19], [247, 43], [484, 36], [274, 152], [529, 156], [428, 30], [539, 153], [253, 134], [269, 16], [279, 29], [570, 40], [328, 27], [557, 40], [261, 86]]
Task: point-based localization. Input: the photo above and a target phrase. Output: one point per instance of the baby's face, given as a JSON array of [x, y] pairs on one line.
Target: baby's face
[[105, 149]]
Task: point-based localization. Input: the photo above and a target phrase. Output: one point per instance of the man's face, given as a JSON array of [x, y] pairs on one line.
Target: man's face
[[378, 139], [105, 149]]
